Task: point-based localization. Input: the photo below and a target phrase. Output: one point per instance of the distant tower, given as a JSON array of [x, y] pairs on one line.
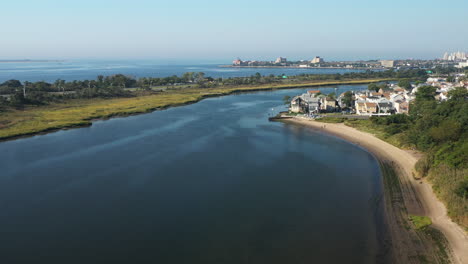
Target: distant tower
[[446, 56]]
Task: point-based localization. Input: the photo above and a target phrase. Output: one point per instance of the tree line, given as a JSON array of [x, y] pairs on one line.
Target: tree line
[[16, 93], [440, 130]]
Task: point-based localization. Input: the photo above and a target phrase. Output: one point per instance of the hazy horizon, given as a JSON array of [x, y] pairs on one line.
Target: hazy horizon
[[221, 31]]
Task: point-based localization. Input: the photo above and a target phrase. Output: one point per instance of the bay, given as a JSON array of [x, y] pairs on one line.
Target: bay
[[211, 182]]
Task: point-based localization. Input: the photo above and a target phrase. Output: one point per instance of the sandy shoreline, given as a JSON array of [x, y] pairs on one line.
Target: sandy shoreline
[[418, 197]]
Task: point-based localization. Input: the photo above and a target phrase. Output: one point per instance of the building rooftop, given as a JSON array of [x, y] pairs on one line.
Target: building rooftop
[[313, 91]]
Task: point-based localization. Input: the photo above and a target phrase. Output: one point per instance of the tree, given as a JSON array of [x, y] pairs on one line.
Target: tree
[[286, 99], [12, 84], [258, 76], [373, 87], [199, 76], [188, 77], [18, 99], [459, 93], [348, 98], [59, 84], [451, 78], [100, 79], [3, 103], [404, 84], [425, 93], [448, 130]]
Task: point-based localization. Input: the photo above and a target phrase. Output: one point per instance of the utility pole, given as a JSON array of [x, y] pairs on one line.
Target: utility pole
[[24, 89]]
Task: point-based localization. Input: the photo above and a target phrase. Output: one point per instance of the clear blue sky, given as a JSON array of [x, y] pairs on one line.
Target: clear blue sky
[[250, 29]]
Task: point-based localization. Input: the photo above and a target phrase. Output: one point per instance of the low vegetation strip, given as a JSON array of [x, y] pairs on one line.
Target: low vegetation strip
[[79, 112], [420, 222]]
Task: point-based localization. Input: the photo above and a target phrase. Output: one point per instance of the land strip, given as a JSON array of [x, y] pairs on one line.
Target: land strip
[[81, 112]]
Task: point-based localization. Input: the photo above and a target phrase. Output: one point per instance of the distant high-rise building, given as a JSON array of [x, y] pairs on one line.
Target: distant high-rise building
[[317, 59], [387, 63], [446, 56], [455, 56], [281, 60]]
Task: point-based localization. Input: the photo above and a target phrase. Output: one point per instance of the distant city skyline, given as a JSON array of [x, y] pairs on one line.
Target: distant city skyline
[[220, 31]]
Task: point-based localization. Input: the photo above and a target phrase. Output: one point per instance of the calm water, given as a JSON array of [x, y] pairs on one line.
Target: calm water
[[82, 70], [213, 182]]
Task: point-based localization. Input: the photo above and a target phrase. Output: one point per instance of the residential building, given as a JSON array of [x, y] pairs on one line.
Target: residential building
[[371, 108], [306, 103], [401, 107], [360, 107], [237, 62], [329, 104], [385, 107], [297, 105], [313, 92]]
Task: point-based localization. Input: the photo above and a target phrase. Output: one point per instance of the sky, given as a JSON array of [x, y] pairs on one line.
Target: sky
[[224, 30]]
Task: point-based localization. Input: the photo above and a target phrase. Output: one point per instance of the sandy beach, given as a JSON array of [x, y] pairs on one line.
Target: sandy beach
[[417, 197]]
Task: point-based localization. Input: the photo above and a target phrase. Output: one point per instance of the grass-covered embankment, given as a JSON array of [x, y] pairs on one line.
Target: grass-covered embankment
[[75, 113]]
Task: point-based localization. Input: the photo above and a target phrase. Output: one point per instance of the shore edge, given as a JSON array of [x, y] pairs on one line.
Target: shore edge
[[417, 198]]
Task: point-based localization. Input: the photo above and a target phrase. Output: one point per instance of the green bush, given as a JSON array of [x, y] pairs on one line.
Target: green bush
[[420, 222]]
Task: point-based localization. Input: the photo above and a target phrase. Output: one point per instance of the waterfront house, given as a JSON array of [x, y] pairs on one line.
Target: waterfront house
[[314, 92], [373, 99], [329, 104], [297, 105], [385, 107], [371, 108], [399, 90], [401, 107], [305, 103], [397, 97], [360, 107], [314, 105]]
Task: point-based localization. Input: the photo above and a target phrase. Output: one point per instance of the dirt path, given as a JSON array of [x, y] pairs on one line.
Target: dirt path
[[418, 197]]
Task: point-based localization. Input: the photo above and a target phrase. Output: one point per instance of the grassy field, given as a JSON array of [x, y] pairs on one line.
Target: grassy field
[[76, 113], [365, 125]]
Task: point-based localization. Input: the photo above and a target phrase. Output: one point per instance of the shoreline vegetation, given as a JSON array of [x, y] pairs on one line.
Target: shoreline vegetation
[[28, 108], [418, 224], [38, 119], [306, 68]]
